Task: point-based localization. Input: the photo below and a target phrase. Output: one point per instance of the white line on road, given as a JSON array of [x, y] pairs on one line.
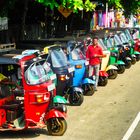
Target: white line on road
[[132, 127]]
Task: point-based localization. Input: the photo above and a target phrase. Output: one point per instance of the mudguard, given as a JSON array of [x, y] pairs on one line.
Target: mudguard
[[53, 113], [103, 73], [136, 52], [111, 67], [133, 55], [78, 89], [59, 99], [120, 62], [128, 58], [88, 81]]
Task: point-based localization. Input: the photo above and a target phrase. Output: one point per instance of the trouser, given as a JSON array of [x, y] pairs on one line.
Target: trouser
[[94, 71]]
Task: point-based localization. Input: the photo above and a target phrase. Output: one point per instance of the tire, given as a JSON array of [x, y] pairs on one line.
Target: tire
[[128, 64], [121, 69], [112, 74], [103, 81], [88, 89], [137, 57], [133, 60], [56, 126], [76, 98], [61, 107]]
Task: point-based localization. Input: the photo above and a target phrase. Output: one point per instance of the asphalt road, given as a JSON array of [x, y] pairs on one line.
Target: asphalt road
[[107, 115]]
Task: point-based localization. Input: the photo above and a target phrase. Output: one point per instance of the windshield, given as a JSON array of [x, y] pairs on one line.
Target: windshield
[[136, 35], [38, 72], [117, 40], [77, 54], [123, 38], [59, 58], [110, 43], [128, 35], [101, 43]]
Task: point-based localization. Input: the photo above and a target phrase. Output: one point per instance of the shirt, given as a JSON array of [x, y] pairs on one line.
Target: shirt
[[91, 51]]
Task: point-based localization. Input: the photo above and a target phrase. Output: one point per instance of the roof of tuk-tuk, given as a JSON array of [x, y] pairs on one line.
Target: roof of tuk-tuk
[[8, 58]]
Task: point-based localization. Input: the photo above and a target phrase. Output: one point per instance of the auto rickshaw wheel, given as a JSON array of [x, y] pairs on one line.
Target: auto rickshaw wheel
[[138, 57], [133, 60], [121, 69], [56, 126], [76, 98], [103, 81], [88, 89], [128, 64], [112, 74]]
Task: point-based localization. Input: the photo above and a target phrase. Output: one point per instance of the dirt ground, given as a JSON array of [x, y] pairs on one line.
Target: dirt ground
[[106, 115]]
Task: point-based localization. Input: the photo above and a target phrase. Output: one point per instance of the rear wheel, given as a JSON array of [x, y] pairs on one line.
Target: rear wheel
[[128, 64], [56, 126], [88, 89], [121, 69], [76, 98]]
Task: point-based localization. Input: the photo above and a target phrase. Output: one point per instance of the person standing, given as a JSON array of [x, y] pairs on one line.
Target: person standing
[[94, 54]]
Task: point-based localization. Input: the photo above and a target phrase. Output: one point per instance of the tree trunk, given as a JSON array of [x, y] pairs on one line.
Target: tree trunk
[[23, 23]]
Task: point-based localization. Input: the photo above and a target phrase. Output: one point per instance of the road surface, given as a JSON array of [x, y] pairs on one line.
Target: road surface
[[107, 115]]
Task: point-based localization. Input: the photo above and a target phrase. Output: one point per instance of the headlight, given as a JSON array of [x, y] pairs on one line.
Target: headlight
[[78, 66]]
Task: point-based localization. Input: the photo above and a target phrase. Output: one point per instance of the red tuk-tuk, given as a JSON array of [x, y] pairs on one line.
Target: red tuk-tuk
[[26, 95]]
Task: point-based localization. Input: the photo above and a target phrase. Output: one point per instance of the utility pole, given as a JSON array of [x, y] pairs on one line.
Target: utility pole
[[106, 19]]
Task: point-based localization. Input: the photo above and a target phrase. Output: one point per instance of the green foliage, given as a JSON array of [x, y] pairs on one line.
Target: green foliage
[[89, 6], [74, 5], [115, 3], [130, 7]]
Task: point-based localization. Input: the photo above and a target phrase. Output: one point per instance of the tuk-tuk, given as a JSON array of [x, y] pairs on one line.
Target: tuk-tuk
[[109, 42], [26, 95], [123, 50], [109, 62], [77, 59], [64, 72]]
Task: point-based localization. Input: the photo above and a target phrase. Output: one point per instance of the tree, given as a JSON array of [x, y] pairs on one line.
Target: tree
[[74, 5], [130, 7], [5, 6]]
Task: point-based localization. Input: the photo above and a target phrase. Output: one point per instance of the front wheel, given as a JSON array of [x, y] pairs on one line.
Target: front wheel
[[133, 60], [112, 74], [56, 126], [138, 57], [102, 81], [128, 64], [76, 98], [88, 89], [121, 69]]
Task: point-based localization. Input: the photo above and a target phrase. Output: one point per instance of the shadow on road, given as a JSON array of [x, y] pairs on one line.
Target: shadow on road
[[30, 133]]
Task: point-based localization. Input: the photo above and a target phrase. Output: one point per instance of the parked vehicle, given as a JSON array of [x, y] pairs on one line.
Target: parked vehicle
[[77, 59], [108, 63], [64, 71], [115, 54], [123, 50], [130, 47], [134, 42], [27, 95]]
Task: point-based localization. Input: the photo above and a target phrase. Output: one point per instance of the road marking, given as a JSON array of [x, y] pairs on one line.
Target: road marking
[[132, 127]]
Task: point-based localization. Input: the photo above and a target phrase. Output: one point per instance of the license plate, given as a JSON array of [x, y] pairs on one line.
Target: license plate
[[51, 87], [87, 63], [71, 69], [52, 77]]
